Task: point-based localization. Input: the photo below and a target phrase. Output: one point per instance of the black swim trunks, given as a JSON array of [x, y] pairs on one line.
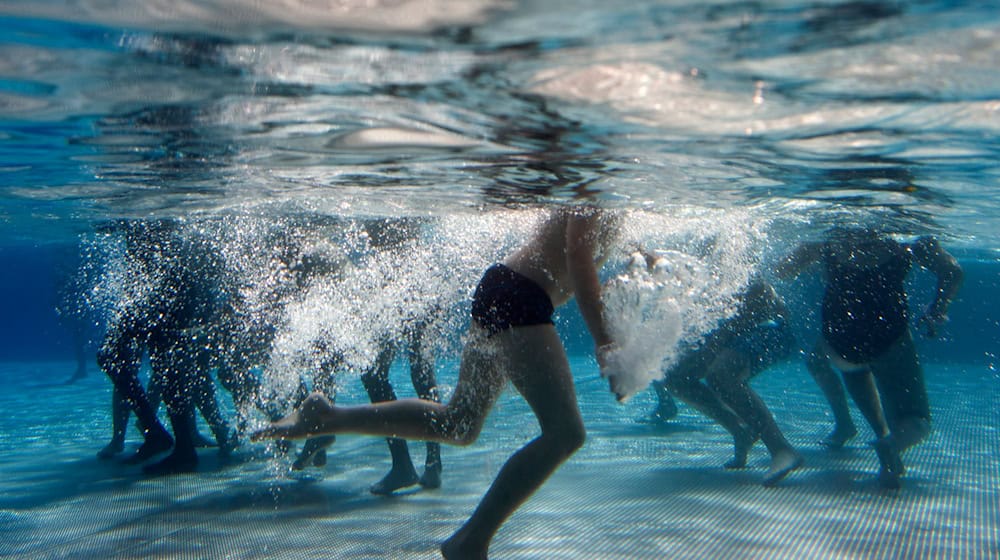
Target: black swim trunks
[[505, 299]]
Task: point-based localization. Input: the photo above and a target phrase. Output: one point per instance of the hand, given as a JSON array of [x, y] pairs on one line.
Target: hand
[[612, 371], [931, 320], [615, 384], [603, 352]]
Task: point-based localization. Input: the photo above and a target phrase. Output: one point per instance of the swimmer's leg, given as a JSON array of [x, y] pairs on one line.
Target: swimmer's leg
[[176, 368], [688, 387], [376, 382], [313, 452], [861, 385], [119, 425], [424, 382], [538, 368], [457, 423], [120, 358], [891, 463], [827, 379], [666, 408], [900, 382], [728, 375], [205, 401]]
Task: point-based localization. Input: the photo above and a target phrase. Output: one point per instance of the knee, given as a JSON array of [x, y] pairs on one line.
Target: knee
[[565, 439], [463, 432], [115, 363], [678, 385], [574, 439]]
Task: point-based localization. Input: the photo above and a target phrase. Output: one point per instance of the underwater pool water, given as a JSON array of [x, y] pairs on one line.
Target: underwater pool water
[[725, 133], [635, 490]]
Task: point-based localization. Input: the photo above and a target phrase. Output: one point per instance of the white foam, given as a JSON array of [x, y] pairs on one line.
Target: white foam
[[644, 324], [700, 262]]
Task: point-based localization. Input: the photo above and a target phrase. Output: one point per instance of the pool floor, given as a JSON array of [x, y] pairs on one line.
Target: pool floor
[[636, 490]]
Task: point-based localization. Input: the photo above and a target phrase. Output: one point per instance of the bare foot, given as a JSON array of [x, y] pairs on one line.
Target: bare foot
[[892, 468], [175, 463], [309, 419], [457, 548], [782, 463], [396, 479], [155, 444], [313, 452], [839, 436], [111, 449]]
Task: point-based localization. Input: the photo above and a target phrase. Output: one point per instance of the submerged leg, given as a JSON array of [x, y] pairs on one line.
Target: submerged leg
[[729, 375], [539, 370], [119, 425], [120, 358], [206, 402], [861, 385], [456, 423], [900, 382], [666, 408], [689, 388], [376, 382], [827, 379], [314, 450], [425, 384], [170, 359]]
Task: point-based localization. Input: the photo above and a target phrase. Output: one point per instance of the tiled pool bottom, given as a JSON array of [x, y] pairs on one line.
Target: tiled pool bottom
[[634, 491]]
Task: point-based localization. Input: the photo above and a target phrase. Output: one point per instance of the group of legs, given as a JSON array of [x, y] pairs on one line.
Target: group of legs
[[402, 473], [179, 375], [714, 379], [512, 340], [891, 395], [866, 335]]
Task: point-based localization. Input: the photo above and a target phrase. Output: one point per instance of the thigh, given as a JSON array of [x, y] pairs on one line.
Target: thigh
[[540, 371], [690, 367], [481, 376], [729, 367]]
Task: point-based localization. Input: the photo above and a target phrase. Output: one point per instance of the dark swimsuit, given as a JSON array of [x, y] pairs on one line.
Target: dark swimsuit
[[505, 299], [864, 308]]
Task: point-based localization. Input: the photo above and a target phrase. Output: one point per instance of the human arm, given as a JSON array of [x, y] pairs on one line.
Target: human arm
[[804, 256], [930, 255], [583, 234]]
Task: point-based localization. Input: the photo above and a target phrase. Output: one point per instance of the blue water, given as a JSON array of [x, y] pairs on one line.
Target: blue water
[[743, 127]]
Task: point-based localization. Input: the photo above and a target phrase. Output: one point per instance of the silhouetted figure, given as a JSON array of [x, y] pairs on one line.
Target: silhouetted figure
[[866, 333]]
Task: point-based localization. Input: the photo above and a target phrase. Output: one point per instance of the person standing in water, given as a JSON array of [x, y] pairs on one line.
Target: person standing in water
[[714, 376], [168, 314], [512, 338], [866, 332], [754, 339]]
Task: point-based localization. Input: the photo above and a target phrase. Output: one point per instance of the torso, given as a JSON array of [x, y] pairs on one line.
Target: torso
[[864, 306], [543, 258]]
